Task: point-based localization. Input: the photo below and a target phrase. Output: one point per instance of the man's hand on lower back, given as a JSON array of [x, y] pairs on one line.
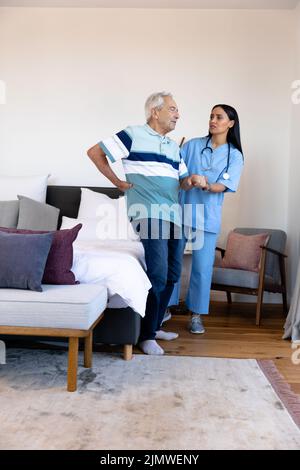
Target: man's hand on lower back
[[124, 186]]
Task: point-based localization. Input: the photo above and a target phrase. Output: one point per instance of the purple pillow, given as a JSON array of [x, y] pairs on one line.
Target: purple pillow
[[60, 258]]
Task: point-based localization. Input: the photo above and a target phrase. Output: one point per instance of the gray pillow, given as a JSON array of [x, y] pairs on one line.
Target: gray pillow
[[34, 215], [23, 260], [9, 212]]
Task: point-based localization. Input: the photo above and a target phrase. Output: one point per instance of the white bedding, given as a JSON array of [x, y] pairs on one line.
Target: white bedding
[[119, 265]]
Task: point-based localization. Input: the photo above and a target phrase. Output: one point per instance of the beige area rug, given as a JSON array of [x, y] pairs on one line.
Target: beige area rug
[[148, 403]]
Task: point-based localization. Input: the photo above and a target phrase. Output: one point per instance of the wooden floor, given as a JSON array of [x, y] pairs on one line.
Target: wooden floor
[[231, 332]]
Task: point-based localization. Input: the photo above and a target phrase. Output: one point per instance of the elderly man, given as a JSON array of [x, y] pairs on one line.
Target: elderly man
[[153, 169]]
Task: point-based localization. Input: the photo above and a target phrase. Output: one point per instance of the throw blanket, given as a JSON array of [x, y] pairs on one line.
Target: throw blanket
[[119, 265]]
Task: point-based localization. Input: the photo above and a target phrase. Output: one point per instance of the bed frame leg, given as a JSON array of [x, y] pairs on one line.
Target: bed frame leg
[[88, 350], [128, 352]]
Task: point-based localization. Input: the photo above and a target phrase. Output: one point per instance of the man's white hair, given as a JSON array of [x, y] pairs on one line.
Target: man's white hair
[[156, 100]]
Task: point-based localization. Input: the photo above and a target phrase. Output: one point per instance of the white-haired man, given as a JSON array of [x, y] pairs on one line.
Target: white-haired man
[[153, 169]]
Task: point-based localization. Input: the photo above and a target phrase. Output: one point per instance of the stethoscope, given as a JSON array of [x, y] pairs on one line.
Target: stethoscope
[[226, 175]]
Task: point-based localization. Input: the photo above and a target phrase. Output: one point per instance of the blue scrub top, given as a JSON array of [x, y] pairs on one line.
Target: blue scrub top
[[213, 166]]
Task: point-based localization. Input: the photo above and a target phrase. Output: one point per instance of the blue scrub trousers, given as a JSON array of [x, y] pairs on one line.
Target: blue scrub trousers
[[198, 296], [163, 255]]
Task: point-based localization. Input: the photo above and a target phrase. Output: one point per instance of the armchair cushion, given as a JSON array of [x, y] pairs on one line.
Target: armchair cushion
[[235, 277], [277, 242], [238, 278], [243, 251]]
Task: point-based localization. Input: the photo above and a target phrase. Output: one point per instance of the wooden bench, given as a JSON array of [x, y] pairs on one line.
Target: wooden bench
[[59, 311]]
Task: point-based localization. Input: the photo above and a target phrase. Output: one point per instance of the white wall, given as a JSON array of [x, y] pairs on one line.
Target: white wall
[[74, 76], [294, 186]]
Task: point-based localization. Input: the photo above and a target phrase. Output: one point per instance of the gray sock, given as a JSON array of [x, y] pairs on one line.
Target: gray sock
[[150, 346], [166, 335]]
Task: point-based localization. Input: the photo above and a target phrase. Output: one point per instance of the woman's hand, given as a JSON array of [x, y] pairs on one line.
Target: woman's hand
[[199, 181]]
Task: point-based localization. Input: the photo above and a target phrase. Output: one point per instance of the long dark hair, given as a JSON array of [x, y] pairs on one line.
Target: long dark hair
[[233, 136]]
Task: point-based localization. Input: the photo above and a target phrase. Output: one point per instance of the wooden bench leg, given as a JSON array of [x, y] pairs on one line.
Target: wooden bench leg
[[128, 352], [88, 350], [72, 364]]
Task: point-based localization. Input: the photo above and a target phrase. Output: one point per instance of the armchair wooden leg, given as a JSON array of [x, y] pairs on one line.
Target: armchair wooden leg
[[128, 352], [284, 304], [229, 299], [258, 313], [72, 364], [259, 307], [261, 287], [88, 350]]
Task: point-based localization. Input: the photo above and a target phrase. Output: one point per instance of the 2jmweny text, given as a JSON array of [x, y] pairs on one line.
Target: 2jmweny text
[[150, 459]]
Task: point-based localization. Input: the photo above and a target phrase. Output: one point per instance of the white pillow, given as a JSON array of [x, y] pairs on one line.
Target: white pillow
[[100, 228], [112, 213], [88, 230], [34, 187], [90, 201]]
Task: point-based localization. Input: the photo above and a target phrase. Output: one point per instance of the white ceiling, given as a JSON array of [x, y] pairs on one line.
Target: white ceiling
[[185, 4]]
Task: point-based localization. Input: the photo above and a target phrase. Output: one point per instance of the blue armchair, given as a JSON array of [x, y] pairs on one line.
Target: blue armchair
[[270, 278]]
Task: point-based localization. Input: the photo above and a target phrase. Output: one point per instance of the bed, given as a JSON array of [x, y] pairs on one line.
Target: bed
[[119, 265]]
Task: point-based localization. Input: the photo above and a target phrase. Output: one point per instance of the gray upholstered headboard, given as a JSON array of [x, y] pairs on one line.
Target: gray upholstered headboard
[[67, 198]]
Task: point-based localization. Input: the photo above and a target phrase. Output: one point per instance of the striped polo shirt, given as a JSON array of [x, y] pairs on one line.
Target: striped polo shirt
[[152, 163]]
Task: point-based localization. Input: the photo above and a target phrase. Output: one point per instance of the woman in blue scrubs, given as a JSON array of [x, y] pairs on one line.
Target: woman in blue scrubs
[[215, 163]]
